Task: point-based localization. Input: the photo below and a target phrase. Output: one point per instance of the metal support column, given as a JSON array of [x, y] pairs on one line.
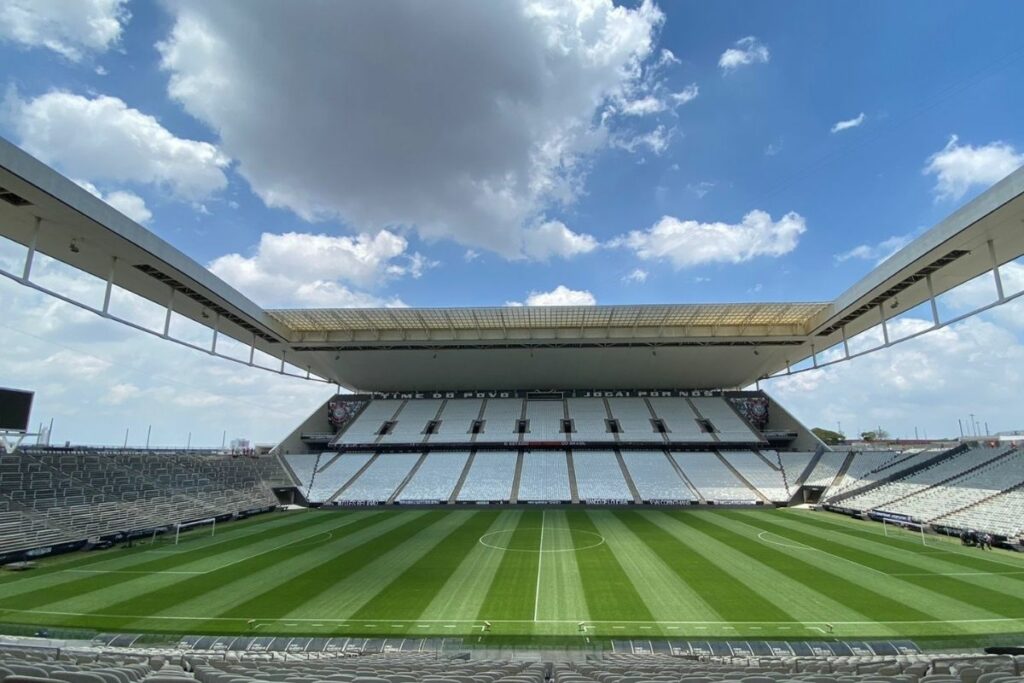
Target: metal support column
[[170, 310], [110, 285], [995, 270], [885, 327], [931, 299], [31, 255]]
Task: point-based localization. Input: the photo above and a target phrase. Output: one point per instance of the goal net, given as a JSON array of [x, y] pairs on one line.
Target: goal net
[[905, 531], [183, 531]]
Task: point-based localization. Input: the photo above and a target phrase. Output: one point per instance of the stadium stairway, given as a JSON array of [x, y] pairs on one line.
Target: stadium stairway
[[514, 496], [743, 480], [353, 479], [573, 487], [811, 464], [626, 475], [408, 477], [714, 437], [841, 472], [686, 480], [462, 477], [896, 474]]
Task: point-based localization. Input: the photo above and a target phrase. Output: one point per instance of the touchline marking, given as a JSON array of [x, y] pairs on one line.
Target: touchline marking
[[322, 620], [540, 559]]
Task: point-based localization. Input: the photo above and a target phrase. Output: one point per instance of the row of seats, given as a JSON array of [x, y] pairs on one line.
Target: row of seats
[[705, 419], [50, 496], [73, 667], [977, 489], [919, 480], [654, 475]]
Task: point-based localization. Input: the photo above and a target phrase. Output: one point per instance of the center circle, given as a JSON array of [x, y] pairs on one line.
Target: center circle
[[553, 542]]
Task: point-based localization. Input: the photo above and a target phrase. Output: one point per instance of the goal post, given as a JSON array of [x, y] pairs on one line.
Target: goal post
[[905, 531], [179, 532], [195, 526]]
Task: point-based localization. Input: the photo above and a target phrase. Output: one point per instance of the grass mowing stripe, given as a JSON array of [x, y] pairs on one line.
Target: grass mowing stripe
[[972, 596], [561, 594], [787, 595], [280, 573], [60, 588], [409, 594], [373, 578], [465, 590], [664, 593], [731, 598], [858, 602], [512, 593], [609, 592], [118, 556], [198, 594], [939, 561], [319, 579], [955, 557]]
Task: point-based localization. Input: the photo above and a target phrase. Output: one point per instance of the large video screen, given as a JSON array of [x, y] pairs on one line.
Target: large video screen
[[15, 407]]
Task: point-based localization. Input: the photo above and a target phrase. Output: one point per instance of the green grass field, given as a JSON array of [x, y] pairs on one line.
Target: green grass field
[[701, 573]]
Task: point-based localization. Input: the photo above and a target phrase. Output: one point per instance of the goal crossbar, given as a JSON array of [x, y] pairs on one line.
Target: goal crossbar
[[186, 526], [902, 529]]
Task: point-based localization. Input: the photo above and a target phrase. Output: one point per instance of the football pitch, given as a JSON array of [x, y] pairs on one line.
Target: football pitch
[[765, 574]]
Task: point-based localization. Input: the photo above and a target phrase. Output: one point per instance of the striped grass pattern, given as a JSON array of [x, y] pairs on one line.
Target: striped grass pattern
[[535, 572]]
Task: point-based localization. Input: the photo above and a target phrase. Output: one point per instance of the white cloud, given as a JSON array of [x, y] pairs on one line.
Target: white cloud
[[463, 120], [103, 139], [746, 51], [691, 243], [315, 270], [555, 239], [69, 28], [559, 296], [876, 252], [773, 148], [128, 203], [470, 255], [644, 106], [638, 276], [848, 123], [926, 382], [958, 168], [667, 57], [655, 141], [687, 94]]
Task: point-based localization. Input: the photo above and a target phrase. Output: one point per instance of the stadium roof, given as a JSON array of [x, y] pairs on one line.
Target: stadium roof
[[602, 347], [745, 319]]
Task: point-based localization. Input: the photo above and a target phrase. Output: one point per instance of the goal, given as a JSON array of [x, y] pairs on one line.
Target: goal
[[905, 531], [182, 531]]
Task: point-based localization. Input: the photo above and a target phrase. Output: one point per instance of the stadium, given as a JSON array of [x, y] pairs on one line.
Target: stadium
[[517, 493]]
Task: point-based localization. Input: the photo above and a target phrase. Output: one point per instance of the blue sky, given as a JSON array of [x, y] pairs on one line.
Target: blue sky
[[472, 154]]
